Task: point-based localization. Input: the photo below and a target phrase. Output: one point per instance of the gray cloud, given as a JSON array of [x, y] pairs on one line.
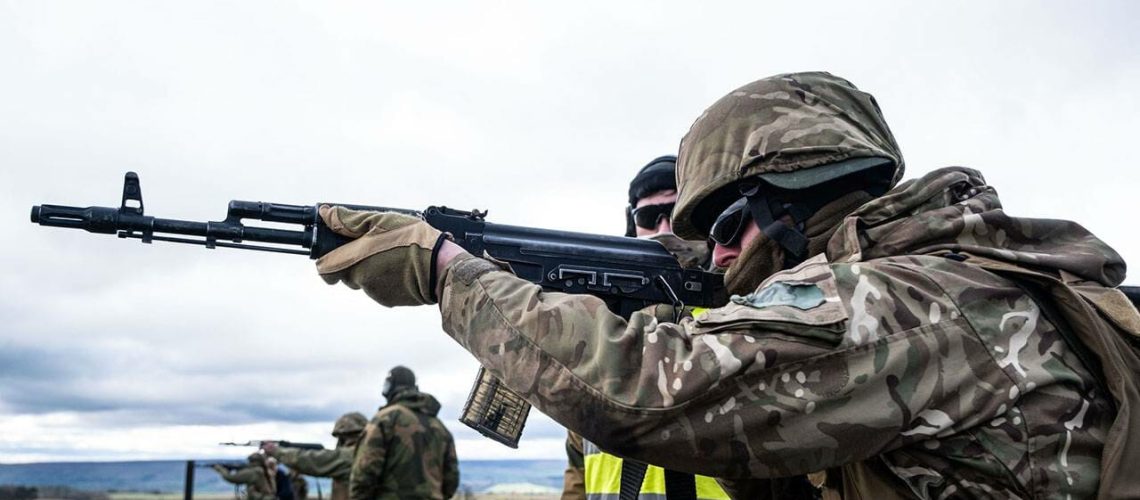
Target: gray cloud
[[26, 363], [38, 381]]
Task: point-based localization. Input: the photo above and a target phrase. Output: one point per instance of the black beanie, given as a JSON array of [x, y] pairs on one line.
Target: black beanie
[[399, 378], [658, 175]]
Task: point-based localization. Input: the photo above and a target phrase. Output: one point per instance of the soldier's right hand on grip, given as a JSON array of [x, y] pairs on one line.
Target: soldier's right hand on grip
[[391, 258]]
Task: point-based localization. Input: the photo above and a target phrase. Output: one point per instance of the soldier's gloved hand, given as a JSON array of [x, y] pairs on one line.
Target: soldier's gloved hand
[[392, 258], [219, 468]]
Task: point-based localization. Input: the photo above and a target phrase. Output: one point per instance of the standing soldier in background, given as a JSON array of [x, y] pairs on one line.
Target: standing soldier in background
[[260, 483], [406, 452], [335, 463], [592, 473]]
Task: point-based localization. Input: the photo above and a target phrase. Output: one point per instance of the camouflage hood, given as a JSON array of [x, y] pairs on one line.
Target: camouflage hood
[[953, 210], [783, 123], [416, 401]]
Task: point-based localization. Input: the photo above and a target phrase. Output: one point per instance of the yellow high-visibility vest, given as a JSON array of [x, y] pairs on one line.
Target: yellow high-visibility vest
[[603, 479]]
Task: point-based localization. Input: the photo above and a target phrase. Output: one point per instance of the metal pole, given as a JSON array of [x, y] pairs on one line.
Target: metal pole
[[188, 489]]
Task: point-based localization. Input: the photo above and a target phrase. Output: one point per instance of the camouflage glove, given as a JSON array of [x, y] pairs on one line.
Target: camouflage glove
[[392, 259]]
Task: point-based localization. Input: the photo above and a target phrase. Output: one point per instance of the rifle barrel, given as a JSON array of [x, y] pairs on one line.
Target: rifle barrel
[[107, 220]]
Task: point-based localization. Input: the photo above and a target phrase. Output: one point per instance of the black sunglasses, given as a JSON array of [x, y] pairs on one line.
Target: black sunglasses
[[649, 216], [730, 223]]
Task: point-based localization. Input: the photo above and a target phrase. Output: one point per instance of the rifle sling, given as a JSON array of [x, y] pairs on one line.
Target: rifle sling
[[632, 474], [678, 485]]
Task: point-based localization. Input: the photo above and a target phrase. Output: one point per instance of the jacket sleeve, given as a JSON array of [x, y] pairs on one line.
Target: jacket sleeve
[[335, 463], [368, 465], [741, 391], [244, 475]]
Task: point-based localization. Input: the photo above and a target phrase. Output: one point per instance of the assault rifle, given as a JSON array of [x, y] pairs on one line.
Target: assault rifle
[[280, 444], [627, 273]]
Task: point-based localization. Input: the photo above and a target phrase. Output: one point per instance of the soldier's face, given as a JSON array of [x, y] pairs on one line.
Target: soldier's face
[[662, 224], [723, 256]]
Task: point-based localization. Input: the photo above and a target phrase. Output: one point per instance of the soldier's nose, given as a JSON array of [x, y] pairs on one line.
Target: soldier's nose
[[723, 256]]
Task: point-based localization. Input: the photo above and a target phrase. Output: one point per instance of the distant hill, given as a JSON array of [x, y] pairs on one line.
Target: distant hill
[[167, 476]]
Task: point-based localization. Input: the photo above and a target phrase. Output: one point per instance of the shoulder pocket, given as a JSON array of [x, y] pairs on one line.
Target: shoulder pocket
[[801, 303]]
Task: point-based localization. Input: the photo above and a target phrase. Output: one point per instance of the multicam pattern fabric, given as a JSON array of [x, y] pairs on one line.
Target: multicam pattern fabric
[[690, 254], [406, 452], [255, 479], [948, 376], [335, 464], [782, 123], [349, 425]]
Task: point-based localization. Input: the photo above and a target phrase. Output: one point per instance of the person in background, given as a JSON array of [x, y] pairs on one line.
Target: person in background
[[406, 452], [259, 482], [281, 482], [591, 473], [335, 463]]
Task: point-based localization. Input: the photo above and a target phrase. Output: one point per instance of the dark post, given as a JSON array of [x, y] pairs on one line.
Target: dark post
[[188, 489]]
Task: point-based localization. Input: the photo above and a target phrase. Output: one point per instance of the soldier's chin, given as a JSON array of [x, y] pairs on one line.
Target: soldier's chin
[[759, 260], [739, 281]]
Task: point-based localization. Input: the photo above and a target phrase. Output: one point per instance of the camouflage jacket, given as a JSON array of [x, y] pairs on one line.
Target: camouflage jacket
[[335, 464], [406, 452], [891, 352], [258, 485]]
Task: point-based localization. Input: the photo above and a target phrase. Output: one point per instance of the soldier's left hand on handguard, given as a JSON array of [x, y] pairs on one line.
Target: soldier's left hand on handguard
[[392, 258]]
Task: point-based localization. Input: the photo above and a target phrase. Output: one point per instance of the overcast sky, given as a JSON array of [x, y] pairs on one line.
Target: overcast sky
[[538, 111]]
